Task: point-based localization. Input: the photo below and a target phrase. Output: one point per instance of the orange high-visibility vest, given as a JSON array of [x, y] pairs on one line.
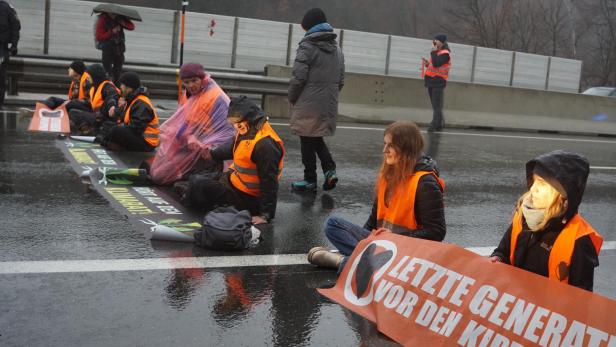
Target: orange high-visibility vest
[[82, 87], [96, 97], [244, 175], [399, 215], [441, 71], [151, 133], [562, 250]]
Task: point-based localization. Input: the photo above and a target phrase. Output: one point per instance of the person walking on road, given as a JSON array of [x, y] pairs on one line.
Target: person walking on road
[[9, 34], [318, 77], [110, 40], [436, 73], [409, 199], [547, 235]]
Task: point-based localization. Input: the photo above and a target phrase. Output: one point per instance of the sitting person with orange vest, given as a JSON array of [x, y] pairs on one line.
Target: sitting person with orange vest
[[547, 235], [138, 129], [409, 199], [77, 91], [103, 96], [252, 180]]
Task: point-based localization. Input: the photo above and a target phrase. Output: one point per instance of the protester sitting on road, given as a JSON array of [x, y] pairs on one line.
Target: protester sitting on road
[[409, 199], [77, 92], [103, 97], [138, 129], [318, 76], [252, 181], [547, 235], [198, 124]]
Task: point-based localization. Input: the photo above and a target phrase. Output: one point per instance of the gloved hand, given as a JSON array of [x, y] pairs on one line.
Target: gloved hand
[[13, 50]]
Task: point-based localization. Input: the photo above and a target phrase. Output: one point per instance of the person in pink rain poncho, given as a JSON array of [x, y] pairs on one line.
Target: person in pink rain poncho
[[199, 123]]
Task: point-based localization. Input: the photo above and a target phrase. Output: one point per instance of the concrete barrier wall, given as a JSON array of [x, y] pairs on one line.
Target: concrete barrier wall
[[465, 105], [251, 44]]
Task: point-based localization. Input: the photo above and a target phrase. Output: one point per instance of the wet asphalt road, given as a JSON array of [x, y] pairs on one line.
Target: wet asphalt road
[[48, 214]]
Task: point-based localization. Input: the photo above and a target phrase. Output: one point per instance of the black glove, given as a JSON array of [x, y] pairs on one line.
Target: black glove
[[13, 50]]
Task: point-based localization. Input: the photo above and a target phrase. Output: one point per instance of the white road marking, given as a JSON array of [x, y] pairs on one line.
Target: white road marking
[[603, 168], [70, 266], [482, 135]]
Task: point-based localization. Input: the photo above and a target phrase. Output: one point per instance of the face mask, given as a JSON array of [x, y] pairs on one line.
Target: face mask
[[534, 216]]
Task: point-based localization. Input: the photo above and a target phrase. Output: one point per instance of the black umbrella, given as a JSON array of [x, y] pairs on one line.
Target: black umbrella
[[119, 10]]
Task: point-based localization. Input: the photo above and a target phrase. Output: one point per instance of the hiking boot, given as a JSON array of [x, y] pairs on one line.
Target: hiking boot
[[322, 257], [330, 180], [304, 186]]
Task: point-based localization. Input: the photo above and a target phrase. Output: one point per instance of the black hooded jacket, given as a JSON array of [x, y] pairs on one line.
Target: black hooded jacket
[[267, 155], [9, 26], [141, 114], [429, 206], [109, 93], [533, 248]]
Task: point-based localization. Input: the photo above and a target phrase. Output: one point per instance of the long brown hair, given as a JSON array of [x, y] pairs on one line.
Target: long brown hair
[[408, 142]]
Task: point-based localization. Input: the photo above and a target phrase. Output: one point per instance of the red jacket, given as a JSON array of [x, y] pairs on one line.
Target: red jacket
[[105, 25]]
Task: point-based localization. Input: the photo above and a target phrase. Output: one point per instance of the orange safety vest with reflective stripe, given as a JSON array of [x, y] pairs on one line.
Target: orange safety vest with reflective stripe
[[96, 97], [245, 176], [82, 87], [562, 250], [441, 71], [151, 133], [399, 215]]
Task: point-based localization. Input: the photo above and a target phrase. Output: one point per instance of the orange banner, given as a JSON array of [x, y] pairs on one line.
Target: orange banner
[[424, 293], [48, 120]]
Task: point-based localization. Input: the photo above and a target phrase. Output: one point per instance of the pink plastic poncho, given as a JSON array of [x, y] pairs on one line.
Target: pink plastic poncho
[[204, 116]]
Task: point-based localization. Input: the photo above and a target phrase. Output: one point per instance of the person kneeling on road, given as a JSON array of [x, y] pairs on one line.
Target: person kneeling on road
[[252, 181], [409, 199], [103, 97], [547, 235], [138, 129]]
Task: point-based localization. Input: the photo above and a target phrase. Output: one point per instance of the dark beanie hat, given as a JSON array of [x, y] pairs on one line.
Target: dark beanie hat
[[440, 37], [189, 70], [130, 79], [313, 17], [78, 66], [97, 72], [245, 109]]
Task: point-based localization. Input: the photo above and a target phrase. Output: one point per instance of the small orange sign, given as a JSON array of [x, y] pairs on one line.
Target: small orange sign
[[48, 120]]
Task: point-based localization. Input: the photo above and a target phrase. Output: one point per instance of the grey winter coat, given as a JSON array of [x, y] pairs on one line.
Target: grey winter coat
[[318, 76]]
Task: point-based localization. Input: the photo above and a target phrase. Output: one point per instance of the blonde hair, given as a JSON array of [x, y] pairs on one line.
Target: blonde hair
[[555, 209]]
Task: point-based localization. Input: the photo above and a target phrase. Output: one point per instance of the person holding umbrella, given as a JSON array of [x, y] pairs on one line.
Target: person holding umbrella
[[110, 38]]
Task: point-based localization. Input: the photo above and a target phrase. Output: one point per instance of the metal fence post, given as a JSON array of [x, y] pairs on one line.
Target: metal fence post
[[289, 43], [547, 75], [236, 28], [388, 56], [341, 40], [175, 37], [512, 69], [46, 32], [474, 64]]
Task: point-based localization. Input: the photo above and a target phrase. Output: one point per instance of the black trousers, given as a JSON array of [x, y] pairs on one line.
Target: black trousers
[[112, 62], [82, 121], [123, 138], [53, 102], [436, 98], [206, 191], [311, 147]]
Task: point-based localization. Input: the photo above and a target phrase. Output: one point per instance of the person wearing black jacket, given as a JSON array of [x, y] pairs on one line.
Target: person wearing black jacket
[[435, 78], [408, 184], [547, 214], [252, 181], [103, 101], [138, 129], [9, 34]]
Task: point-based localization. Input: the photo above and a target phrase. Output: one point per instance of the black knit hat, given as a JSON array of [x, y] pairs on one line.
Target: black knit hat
[[313, 17], [130, 79], [441, 37], [245, 109], [78, 66]]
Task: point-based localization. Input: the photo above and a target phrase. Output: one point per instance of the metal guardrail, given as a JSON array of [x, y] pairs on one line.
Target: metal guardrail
[[50, 76]]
